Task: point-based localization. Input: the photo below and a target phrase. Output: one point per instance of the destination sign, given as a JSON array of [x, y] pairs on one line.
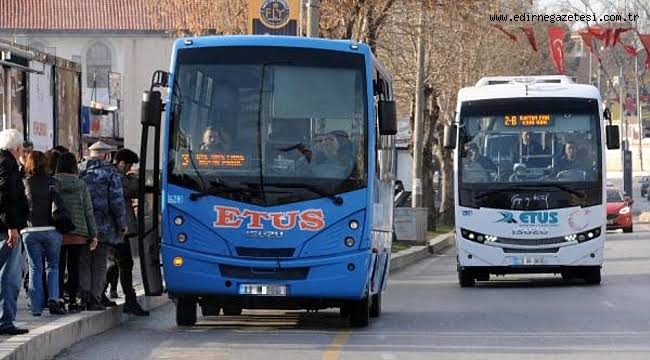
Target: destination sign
[[204, 160], [527, 120]]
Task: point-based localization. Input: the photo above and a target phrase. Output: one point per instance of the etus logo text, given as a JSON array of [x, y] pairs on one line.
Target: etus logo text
[[234, 218], [530, 217]]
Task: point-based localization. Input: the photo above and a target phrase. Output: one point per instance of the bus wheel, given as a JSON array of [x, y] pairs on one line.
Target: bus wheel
[[466, 278], [592, 276], [232, 311], [375, 306], [360, 313], [628, 229], [185, 311]]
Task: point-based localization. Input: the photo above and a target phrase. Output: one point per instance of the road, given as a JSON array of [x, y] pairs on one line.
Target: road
[[426, 316]]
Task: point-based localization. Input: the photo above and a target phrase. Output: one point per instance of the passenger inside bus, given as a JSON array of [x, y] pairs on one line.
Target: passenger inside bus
[[478, 167], [331, 155]]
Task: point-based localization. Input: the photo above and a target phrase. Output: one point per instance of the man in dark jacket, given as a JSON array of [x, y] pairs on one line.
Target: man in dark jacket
[[13, 218], [105, 186], [122, 263]]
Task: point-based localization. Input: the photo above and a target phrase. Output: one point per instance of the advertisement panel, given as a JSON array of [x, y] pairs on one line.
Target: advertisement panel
[[68, 92], [41, 105]]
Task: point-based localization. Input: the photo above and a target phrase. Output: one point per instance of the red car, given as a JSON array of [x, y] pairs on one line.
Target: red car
[[619, 210]]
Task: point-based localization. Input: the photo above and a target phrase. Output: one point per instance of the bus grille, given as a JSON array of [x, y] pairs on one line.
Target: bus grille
[[532, 242], [265, 252], [244, 272], [530, 251]]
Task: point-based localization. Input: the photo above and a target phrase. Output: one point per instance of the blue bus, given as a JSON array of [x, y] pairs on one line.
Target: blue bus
[[275, 188]]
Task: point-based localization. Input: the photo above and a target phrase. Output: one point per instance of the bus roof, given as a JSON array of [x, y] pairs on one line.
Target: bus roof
[[502, 87], [272, 40]]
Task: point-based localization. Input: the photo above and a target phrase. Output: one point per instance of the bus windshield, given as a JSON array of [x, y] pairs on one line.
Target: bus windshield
[[530, 142], [268, 125]]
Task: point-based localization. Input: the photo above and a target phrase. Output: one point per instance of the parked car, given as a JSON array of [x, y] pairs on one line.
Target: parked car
[[645, 184], [619, 210]]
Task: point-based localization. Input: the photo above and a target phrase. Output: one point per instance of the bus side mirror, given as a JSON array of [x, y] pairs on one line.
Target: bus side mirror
[[387, 117], [449, 136], [613, 137], [151, 108]]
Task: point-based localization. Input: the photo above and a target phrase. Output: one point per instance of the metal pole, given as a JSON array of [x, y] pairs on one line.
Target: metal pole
[[6, 119], [590, 79], [301, 18], [416, 197], [313, 18], [638, 110], [620, 101]]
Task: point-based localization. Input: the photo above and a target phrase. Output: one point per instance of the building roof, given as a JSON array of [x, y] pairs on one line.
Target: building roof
[[76, 15]]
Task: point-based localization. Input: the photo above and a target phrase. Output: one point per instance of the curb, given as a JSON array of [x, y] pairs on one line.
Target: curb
[[414, 254], [46, 341]]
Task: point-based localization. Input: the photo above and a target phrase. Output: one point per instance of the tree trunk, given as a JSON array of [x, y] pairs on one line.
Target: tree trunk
[[430, 117]]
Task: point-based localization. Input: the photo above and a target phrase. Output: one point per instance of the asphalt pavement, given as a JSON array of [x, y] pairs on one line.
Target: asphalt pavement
[[426, 316]]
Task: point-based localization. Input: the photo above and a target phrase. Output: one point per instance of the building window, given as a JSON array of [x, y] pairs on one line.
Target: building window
[[98, 65]]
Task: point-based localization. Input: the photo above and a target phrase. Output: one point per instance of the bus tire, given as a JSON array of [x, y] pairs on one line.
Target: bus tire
[[592, 276], [232, 311], [360, 312], [628, 229], [185, 311], [466, 278], [375, 306]]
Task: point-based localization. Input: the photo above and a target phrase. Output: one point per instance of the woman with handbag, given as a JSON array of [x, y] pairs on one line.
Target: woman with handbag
[[41, 238], [76, 199]]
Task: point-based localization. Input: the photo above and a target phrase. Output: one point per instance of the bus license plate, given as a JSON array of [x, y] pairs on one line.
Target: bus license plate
[[527, 260], [263, 290]]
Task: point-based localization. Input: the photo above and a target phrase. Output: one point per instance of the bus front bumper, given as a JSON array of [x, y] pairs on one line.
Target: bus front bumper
[[341, 276], [472, 254]]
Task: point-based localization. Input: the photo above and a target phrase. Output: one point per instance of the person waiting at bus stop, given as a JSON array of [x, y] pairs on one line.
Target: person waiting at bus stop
[[105, 186], [121, 258]]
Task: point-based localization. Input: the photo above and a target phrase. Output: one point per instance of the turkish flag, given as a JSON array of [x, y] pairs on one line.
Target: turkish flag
[[530, 34], [587, 38], [645, 40], [601, 34], [509, 34], [556, 46], [616, 35]]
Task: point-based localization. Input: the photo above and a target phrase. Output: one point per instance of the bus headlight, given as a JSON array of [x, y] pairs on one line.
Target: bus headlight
[[354, 224], [477, 237], [178, 220], [349, 241], [182, 237], [583, 236], [624, 210]]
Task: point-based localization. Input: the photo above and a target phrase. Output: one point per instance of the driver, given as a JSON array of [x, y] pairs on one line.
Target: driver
[[213, 140], [568, 161]]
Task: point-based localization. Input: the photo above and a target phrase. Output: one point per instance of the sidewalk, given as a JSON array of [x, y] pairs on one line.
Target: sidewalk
[[50, 334]]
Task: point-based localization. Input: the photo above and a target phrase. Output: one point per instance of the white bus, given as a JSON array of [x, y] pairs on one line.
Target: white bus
[[530, 178]]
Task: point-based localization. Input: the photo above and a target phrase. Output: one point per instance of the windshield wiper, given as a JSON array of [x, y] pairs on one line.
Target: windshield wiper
[[531, 188], [337, 200], [218, 187]]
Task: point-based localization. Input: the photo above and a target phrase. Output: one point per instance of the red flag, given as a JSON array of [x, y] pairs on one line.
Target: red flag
[[645, 40], [587, 38], [630, 50], [509, 34], [616, 36], [601, 34], [556, 46], [530, 34]]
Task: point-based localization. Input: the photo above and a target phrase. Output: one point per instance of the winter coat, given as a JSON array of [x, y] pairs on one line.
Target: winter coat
[[39, 191], [130, 187], [13, 202], [105, 186], [76, 198]]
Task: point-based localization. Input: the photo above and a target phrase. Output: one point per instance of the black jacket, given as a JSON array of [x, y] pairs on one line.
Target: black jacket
[[40, 195], [13, 202]]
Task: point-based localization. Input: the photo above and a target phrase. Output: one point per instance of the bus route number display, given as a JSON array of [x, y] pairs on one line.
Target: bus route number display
[[215, 160], [527, 120]]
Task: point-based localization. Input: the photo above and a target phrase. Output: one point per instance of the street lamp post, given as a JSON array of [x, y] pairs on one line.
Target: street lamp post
[[638, 109]]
